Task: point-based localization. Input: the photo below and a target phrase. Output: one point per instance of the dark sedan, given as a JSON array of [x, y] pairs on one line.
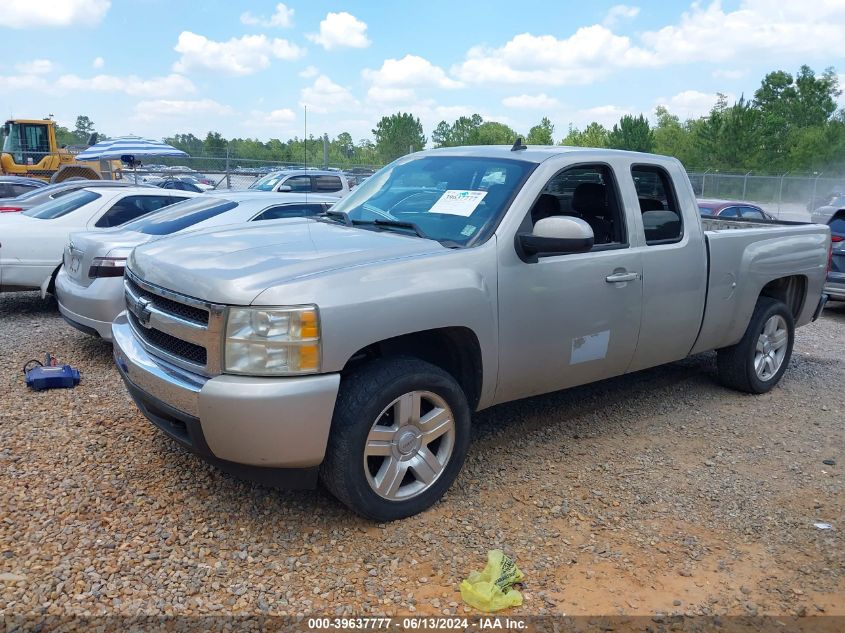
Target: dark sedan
[[14, 186], [732, 209]]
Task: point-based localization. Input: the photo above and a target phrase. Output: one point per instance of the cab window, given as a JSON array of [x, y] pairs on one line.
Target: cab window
[[662, 220], [587, 192]]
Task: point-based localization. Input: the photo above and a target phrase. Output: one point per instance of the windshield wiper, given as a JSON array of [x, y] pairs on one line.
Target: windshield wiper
[[402, 225], [343, 216]]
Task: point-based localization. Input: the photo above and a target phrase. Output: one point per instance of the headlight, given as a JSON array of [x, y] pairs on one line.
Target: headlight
[[272, 341]]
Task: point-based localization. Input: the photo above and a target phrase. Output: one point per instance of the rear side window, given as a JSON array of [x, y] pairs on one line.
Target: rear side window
[[291, 211], [326, 184], [128, 208], [662, 221], [181, 216], [729, 212], [62, 206]]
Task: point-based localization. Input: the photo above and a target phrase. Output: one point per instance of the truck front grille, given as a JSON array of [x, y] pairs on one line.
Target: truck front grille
[[177, 328], [190, 313], [170, 344]]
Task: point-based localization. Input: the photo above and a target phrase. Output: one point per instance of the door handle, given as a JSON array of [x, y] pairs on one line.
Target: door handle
[[616, 278]]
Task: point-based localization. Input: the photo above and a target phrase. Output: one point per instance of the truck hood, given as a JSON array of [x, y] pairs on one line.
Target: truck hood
[[235, 265]]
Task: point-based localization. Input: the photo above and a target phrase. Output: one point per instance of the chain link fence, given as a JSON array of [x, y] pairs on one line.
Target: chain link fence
[[786, 196]]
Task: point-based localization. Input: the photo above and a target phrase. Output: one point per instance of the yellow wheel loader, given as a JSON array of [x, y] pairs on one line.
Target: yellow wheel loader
[[30, 149]]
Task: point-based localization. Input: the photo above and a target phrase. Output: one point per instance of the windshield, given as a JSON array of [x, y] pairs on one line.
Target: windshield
[[180, 216], [61, 206], [452, 199], [267, 182]]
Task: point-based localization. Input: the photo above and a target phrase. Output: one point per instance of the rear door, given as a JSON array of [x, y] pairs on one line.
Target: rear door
[[674, 266]]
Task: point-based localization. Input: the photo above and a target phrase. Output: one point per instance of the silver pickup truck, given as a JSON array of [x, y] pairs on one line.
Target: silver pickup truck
[[354, 347]]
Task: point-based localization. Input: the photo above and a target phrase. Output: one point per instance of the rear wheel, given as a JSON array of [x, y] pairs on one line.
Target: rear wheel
[[399, 437], [758, 361]]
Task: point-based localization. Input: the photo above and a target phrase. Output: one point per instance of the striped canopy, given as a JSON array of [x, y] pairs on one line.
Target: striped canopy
[[134, 146]]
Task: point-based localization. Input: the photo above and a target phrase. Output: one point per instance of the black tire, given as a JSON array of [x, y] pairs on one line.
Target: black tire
[[736, 363], [363, 396]]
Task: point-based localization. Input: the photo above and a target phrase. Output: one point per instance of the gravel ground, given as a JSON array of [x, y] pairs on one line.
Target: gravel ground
[[655, 492]]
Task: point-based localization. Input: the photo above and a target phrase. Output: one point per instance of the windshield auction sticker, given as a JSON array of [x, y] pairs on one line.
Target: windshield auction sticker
[[458, 202]]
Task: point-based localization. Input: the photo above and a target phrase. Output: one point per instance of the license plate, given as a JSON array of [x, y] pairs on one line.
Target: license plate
[[74, 264]]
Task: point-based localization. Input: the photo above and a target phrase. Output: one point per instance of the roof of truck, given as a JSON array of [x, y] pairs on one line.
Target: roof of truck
[[539, 153]]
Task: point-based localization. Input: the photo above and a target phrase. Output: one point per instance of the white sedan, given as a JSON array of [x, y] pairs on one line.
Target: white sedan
[[32, 242]]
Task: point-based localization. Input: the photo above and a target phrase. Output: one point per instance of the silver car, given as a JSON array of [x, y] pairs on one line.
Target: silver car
[[89, 286], [823, 214]]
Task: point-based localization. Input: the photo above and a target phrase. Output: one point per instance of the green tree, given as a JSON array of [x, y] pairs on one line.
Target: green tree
[[492, 133], [64, 136], [440, 136], [83, 129], [214, 144], [594, 135], [632, 133], [396, 134], [787, 104], [542, 133]]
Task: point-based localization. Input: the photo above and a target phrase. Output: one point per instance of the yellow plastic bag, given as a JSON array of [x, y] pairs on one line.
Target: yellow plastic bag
[[491, 589]]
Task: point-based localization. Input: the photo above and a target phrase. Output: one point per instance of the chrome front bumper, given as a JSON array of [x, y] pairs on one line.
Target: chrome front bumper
[[266, 422]]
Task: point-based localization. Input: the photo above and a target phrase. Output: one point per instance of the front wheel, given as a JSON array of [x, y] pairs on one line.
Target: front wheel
[[399, 437], [758, 361]]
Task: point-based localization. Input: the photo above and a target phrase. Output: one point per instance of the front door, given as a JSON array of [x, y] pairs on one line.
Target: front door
[[570, 319]]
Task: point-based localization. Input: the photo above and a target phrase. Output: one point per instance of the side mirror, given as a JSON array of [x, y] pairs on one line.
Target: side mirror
[[285, 188], [557, 235]]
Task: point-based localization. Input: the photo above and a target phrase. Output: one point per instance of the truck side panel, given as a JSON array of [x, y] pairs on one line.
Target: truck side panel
[[743, 261]]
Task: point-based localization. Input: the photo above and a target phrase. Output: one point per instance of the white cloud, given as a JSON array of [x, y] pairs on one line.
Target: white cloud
[[35, 67], [341, 30], [309, 72], [33, 83], [589, 54], [761, 30], [691, 104], [171, 85], [237, 56], [326, 96], [98, 62], [396, 78], [607, 115], [273, 122], [283, 17], [26, 14], [619, 13], [758, 28], [540, 101], [153, 110]]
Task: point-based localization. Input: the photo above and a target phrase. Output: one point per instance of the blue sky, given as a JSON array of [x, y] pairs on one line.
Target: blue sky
[[157, 67]]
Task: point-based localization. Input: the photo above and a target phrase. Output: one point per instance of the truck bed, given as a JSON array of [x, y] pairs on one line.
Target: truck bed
[[746, 255]]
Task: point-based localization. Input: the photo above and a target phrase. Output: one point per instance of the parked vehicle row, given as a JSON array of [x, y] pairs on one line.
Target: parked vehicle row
[[32, 241]]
